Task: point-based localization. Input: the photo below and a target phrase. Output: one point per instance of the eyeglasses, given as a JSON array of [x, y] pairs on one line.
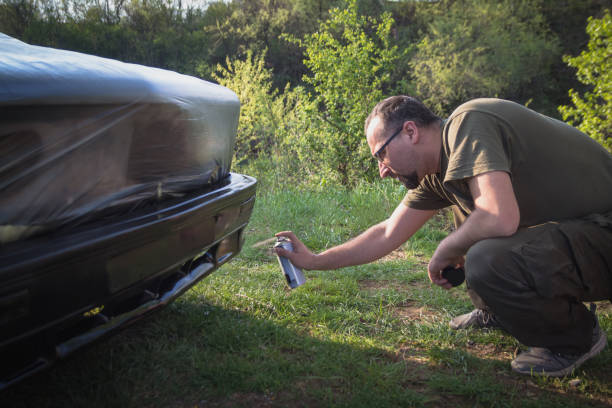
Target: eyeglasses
[[380, 154]]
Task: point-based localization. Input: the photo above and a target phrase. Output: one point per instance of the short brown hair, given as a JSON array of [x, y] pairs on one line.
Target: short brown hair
[[396, 109]]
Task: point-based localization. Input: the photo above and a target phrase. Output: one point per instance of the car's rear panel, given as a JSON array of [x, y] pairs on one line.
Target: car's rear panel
[[115, 196]]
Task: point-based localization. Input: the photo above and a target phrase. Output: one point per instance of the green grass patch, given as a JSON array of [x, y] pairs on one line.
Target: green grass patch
[[376, 335]]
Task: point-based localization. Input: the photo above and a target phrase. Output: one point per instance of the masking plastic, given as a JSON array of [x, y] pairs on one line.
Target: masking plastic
[[82, 135]]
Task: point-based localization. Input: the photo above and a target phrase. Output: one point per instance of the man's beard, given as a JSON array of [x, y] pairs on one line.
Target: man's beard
[[411, 181]]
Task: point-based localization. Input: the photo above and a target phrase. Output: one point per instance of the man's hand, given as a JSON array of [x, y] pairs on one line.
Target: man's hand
[[440, 260], [301, 256]]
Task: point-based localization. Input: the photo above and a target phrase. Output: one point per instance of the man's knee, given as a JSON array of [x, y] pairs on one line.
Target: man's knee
[[484, 261]]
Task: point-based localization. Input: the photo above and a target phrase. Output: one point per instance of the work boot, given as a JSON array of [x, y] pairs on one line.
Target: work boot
[[542, 361], [477, 318]]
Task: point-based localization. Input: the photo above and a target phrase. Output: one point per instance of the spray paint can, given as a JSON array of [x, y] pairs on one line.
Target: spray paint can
[[293, 274]]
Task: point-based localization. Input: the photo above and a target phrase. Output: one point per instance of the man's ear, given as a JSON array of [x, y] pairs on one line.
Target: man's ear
[[412, 130]]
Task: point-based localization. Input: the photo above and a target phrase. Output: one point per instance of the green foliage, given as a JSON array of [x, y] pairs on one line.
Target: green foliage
[[351, 59], [267, 117], [481, 48], [17, 15], [593, 111], [193, 37], [241, 25], [157, 33], [339, 63]]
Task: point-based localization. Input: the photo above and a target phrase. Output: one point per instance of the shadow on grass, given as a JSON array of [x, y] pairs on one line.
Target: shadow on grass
[[202, 355], [488, 382], [197, 354]]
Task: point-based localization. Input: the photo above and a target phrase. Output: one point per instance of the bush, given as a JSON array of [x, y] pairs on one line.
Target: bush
[[350, 59], [481, 48], [593, 112], [267, 117]]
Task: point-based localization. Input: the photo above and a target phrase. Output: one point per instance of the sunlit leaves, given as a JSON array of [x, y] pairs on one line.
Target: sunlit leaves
[[592, 112], [481, 48], [350, 59], [265, 114]]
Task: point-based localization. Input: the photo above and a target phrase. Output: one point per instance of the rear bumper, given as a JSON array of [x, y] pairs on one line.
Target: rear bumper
[[59, 293]]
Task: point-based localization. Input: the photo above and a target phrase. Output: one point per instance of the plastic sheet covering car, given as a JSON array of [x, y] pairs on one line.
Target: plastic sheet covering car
[[115, 196]]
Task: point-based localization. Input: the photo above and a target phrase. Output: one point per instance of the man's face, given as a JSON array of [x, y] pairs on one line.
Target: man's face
[[392, 149]]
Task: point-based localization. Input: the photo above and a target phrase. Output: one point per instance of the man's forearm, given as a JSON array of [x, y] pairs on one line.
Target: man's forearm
[[374, 243], [478, 226]]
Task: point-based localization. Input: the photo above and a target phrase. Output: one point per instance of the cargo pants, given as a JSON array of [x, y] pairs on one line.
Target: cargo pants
[[535, 281]]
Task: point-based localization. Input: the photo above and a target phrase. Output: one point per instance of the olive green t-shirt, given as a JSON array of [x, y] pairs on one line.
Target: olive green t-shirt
[[557, 172]]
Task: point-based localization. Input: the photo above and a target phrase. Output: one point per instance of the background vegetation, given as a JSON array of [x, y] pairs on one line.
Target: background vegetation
[[308, 71], [592, 113]]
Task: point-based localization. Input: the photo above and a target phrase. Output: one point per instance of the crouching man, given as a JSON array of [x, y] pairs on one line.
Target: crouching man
[[532, 199]]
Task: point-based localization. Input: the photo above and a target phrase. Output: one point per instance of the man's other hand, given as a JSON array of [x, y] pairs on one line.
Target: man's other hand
[[438, 263]]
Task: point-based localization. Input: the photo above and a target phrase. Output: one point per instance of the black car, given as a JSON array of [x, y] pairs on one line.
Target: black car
[[115, 196]]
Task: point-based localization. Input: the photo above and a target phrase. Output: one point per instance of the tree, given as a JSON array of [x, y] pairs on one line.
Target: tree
[[593, 111], [17, 15], [351, 60], [479, 48], [257, 25]]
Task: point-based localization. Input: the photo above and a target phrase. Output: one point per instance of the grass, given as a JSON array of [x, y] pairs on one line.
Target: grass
[[369, 336]]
